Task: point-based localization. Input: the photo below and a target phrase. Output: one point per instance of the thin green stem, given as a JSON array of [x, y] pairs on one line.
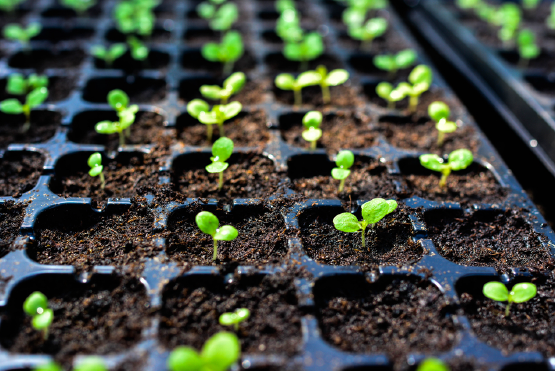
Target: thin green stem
[[224, 100], [413, 103], [392, 73], [341, 185], [27, 125], [325, 93], [391, 104], [215, 256], [440, 138], [121, 138], [236, 326], [228, 67], [303, 66], [298, 97], [221, 181], [128, 132], [507, 309], [45, 333], [313, 145], [362, 236], [222, 131], [102, 181], [444, 175], [209, 133]]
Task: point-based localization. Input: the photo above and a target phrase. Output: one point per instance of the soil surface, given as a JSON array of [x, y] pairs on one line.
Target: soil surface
[[139, 90], [388, 243], [396, 316], [500, 239], [261, 240], [43, 127], [340, 96], [19, 172], [191, 309], [193, 60], [102, 317], [41, 59], [11, 217]]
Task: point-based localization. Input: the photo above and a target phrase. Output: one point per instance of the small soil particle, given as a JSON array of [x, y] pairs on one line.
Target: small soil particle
[[388, 243], [19, 172], [191, 309], [43, 127], [11, 217], [340, 96]]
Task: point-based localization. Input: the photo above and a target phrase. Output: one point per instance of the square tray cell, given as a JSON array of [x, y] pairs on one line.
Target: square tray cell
[[159, 34], [43, 127], [42, 59], [56, 34], [192, 305], [140, 90], [192, 59], [253, 92], [19, 172], [11, 217]]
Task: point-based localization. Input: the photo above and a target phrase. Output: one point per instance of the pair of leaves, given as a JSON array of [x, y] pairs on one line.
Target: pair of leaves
[[139, 51], [373, 28], [312, 121], [234, 318], [286, 81], [520, 293], [135, 16], [458, 160], [288, 26], [386, 91], [16, 32], [18, 85], [394, 62], [200, 110], [439, 112], [344, 161], [527, 46], [208, 223], [309, 48], [372, 212], [36, 306], [221, 151], [333, 78], [95, 163], [231, 85], [110, 54], [14, 107], [229, 50], [126, 119], [80, 6]]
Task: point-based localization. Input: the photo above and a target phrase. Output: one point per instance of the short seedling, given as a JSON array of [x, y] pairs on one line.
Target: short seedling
[[227, 52], [344, 161], [221, 151], [95, 163], [527, 47], [50, 366], [19, 85], [200, 110], [312, 121], [520, 293], [139, 51], [333, 78], [135, 16], [439, 112], [108, 55], [208, 223], [80, 6], [219, 353], [432, 364], [508, 16], [385, 90], [394, 62], [372, 212], [235, 318], [23, 35], [119, 100], [310, 47], [36, 305], [12, 106], [368, 31], [286, 81], [221, 18], [232, 85], [420, 80], [458, 160], [91, 364]]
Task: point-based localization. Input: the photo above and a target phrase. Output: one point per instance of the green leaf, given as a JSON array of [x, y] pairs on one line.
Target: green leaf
[[240, 315], [211, 52], [184, 359], [16, 84], [139, 52], [438, 111], [91, 364], [445, 126], [345, 159], [211, 92], [373, 211], [460, 159], [196, 106], [233, 46], [231, 110], [43, 320], [421, 74], [33, 30], [106, 127], [235, 82], [96, 171], [209, 118], [221, 351], [285, 81], [496, 291], [14, 32], [37, 81], [308, 78], [222, 149], [11, 106], [36, 97], [117, 50], [336, 77], [311, 134], [207, 222], [529, 51], [126, 119], [384, 89], [405, 58], [118, 99], [346, 222], [432, 364], [312, 119], [216, 167], [226, 233], [392, 205], [37, 300], [50, 366], [206, 10], [313, 46], [376, 26], [340, 174], [95, 159], [385, 62], [522, 292], [526, 37], [432, 162], [401, 91]]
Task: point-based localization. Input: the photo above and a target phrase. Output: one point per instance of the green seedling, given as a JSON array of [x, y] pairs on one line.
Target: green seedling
[[527, 47], [95, 163], [310, 47], [119, 100], [13, 106], [36, 306], [232, 85], [344, 161], [135, 16], [208, 223], [458, 160], [520, 293], [283, 5], [286, 81], [80, 6], [372, 212], [439, 112], [333, 78], [8, 6], [221, 151], [432, 364], [487, 13], [468, 4], [19, 85], [530, 4], [420, 80], [235, 318], [219, 353], [550, 21], [200, 110], [508, 16], [227, 52], [91, 364], [109, 55], [368, 31], [288, 26], [219, 15], [394, 62], [15, 32], [139, 51], [312, 121], [50, 366], [386, 91]]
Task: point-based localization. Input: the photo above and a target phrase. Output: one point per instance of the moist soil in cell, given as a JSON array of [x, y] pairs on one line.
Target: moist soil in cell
[[19, 172], [11, 217], [43, 127]]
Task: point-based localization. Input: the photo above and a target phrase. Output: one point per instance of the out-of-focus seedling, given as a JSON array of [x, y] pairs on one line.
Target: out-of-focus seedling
[[508, 16], [344, 161], [439, 112], [219, 353], [232, 85], [333, 78], [550, 21], [12, 106], [286, 81], [527, 47], [520, 293], [372, 212], [219, 15], [312, 121], [235, 318], [394, 62], [227, 52], [139, 50], [310, 47], [80, 6], [385, 90], [468, 4], [208, 223], [459, 159], [95, 163], [368, 31], [19, 85], [36, 305], [119, 100], [135, 16], [200, 110], [530, 4], [432, 364], [15, 32], [420, 80], [108, 55], [221, 151], [9, 6], [91, 364], [50, 366]]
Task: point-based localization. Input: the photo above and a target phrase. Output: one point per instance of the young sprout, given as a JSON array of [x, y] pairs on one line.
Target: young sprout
[[372, 212], [508, 17], [439, 112], [220, 18], [91, 364], [232, 85], [530, 4], [108, 55], [368, 31], [333, 78], [393, 63], [550, 21], [126, 114], [219, 353], [139, 51], [135, 16], [432, 364], [385, 90], [421, 79], [344, 161], [50, 366], [80, 6], [288, 26], [36, 305], [221, 151], [12, 106], [286, 81], [527, 47], [227, 52], [310, 47], [15, 32], [312, 121], [208, 223], [200, 110], [235, 318], [95, 163], [9, 6], [19, 85], [458, 160], [283, 5], [520, 293]]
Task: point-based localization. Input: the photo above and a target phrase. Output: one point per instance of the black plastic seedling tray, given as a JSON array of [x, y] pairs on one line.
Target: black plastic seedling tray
[[314, 285]]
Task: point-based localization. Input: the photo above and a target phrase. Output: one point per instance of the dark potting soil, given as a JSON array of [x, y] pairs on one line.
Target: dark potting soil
[[494, 238], [101, 317], [81, 237], [394, 315], [529, 326], [340, 96], [249, 175], [388, 243], [156, 60], [191, 309], [41, 59], [43, 127], [261, 240], [192, 59], [248, 129], [340, 130], [11, 217], [277, 63], [19, 172]]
